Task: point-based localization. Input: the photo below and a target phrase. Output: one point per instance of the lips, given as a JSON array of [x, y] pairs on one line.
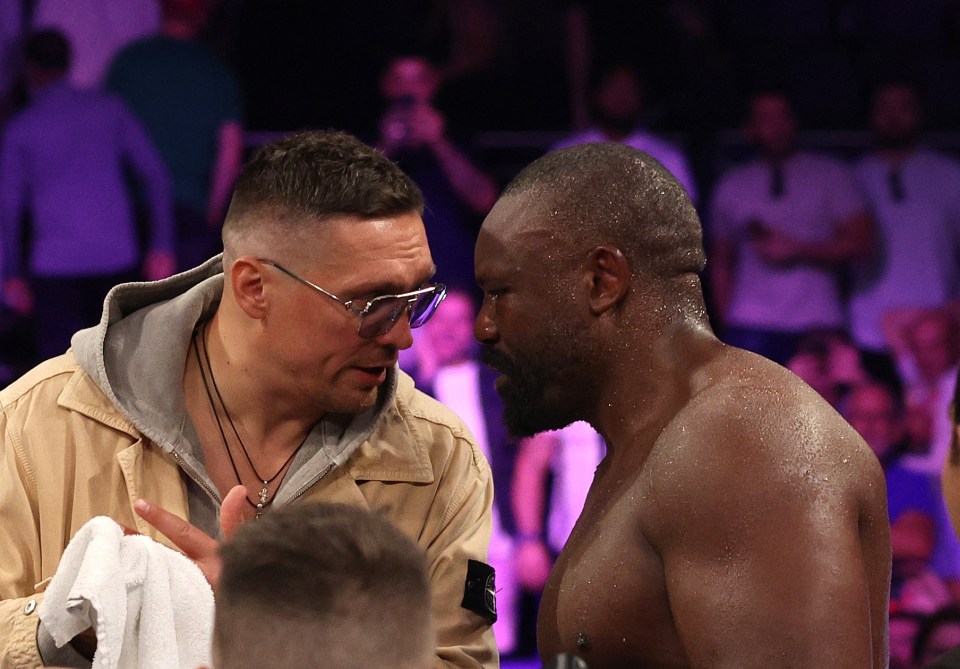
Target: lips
[[496, 360], [372, 375]]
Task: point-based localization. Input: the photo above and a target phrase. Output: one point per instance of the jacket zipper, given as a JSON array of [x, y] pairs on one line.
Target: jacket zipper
[[200, 482], [196, 477], [304, 489]]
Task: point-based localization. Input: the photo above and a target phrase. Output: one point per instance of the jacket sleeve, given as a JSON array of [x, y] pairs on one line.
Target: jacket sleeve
[[19, 555], [459, 532]]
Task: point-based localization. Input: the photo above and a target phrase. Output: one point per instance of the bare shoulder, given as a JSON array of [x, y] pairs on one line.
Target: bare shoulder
[[754, 427], [757, 483]]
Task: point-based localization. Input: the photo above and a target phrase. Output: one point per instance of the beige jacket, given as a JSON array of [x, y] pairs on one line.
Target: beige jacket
[[67, 455]]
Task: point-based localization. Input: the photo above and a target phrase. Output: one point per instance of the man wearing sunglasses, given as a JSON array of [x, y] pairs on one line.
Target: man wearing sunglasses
[[262, 378]]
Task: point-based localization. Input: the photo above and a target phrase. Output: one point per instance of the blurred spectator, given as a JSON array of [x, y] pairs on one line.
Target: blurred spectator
[[915, 197], [62, 162], [12, 23], [830, 364], [457, 193], [190, 102], [616, 107], [926, 347], [904, 626], [96, 31], [784, 226], [876, 412], [937, 645], [552, 476], [323, 585], [448, 369]]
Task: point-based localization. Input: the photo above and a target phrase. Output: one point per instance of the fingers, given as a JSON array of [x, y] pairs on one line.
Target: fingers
[[234, 511], [191, 541]]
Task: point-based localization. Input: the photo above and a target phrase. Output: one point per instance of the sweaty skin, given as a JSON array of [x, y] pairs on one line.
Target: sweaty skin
[[736, 521], [742, 539]]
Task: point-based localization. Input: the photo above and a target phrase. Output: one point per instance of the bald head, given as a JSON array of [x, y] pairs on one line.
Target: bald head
[[607, 193]]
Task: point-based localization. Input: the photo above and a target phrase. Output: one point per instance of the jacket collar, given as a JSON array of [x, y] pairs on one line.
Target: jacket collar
[[396, 451]]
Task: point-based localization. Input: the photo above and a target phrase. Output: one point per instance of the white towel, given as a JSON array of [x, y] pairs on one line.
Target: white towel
[[150, 606]]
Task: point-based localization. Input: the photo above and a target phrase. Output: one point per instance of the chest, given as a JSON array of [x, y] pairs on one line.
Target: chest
[[797, 200], [606, 598]]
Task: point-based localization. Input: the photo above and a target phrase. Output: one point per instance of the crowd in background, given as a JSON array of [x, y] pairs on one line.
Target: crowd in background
[[125, 121]]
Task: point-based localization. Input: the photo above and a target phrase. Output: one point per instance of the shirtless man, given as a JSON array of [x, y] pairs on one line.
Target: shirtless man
[[737, 520]]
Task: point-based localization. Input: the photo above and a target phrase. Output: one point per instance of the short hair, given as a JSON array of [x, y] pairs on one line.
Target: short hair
[[49, 50], [606, 192], [312, 585], [320, 175]]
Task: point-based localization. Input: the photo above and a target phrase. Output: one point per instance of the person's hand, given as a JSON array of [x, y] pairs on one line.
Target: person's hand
[[533, 564], [158, 265], [18, 296], [394, 130], [203, 549], [427, 125]]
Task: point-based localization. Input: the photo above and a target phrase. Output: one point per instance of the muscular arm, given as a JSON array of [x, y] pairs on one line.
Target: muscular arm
[[774, 540]]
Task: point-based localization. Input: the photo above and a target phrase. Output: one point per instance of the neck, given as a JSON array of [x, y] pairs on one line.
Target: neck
[[271, 425], [647, 386]]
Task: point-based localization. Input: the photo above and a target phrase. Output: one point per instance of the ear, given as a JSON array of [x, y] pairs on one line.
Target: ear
[[609, 274], [246, 281]]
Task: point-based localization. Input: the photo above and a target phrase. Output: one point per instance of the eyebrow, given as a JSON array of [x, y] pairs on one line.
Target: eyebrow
[[388, 287]]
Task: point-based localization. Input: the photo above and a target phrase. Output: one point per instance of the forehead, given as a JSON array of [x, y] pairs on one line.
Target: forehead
[[517, 232], [391, 250]]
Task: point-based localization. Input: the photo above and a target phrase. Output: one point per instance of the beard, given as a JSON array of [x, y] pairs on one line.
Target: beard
[[536, 388]]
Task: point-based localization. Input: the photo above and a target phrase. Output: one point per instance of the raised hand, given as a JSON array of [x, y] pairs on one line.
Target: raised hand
[[196, 544]]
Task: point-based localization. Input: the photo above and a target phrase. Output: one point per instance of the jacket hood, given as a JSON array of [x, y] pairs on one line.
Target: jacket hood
[[136, 355]]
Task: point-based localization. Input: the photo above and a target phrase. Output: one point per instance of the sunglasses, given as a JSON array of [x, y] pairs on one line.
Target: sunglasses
[[379, 315]]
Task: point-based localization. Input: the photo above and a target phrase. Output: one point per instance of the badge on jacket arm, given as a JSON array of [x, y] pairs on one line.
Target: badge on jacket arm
[[480, 590]]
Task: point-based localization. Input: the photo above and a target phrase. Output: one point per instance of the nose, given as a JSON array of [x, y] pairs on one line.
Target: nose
[[399, 335], [484, 329]]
